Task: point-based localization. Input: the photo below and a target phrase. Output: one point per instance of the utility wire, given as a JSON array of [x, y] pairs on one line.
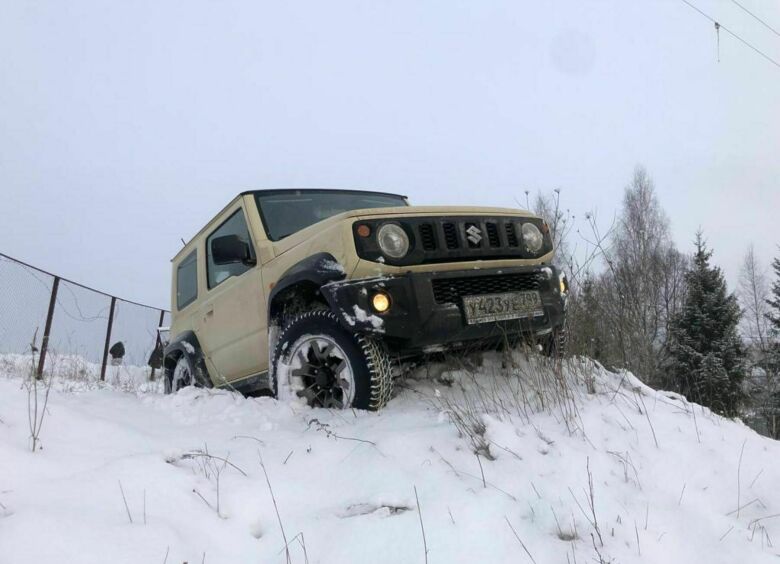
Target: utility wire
[[766, 25], [732, 34]]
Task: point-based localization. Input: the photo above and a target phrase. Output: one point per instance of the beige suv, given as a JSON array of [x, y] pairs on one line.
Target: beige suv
[[321, 294]]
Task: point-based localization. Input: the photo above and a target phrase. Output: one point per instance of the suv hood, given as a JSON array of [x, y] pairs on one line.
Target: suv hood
[[402, 211], [410, 211]]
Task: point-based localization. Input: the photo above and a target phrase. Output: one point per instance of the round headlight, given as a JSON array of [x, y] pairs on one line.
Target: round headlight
[[532, 237], [393, 240]]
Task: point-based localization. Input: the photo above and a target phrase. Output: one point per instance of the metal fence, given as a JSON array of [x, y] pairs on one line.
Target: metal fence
[[68, 318]]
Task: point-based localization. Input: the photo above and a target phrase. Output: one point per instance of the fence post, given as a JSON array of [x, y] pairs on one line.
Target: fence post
[[108, 339], [47, 330], [157, 340]]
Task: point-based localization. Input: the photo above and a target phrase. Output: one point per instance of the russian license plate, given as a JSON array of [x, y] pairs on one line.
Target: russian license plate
[[500, 307]]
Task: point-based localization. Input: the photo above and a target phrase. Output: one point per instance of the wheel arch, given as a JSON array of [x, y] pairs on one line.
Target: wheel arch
[[186, 344], [300, 285]]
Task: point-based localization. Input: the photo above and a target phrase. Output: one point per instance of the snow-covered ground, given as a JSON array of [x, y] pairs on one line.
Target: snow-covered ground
[[581, 467]]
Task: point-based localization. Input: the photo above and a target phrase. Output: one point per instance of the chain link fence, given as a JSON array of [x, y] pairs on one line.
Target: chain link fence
[[70, 319]]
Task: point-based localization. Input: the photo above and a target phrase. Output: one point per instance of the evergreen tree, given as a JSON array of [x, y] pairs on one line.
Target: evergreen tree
[[770, 407], [774, 300], [708, 357]]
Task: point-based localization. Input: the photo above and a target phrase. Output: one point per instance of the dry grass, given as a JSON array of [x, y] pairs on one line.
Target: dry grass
[[513, 386]]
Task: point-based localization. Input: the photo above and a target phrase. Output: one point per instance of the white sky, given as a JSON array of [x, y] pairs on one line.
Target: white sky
[[126, 125]]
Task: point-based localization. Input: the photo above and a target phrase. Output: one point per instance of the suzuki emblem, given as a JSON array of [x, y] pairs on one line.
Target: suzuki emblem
[[474, 234]]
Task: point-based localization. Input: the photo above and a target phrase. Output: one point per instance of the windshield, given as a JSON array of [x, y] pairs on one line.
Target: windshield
[[285, 213]]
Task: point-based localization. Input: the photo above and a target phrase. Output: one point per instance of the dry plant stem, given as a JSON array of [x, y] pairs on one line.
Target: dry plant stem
[[724, 535], [519, 540], [206, 454], [748, 504], [249, 437], [481, 471], [127, 508], [276, 508], [35, 411], [647, 415], [739, 481], [196, 492], [422, 527], [591, 500], [302, 542], [696, 424], [460, 473], [598, 554], [328, 433], [638, 547], [756, 478]]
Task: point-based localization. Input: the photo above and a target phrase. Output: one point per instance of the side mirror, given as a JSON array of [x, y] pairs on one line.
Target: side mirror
[[230, 249]]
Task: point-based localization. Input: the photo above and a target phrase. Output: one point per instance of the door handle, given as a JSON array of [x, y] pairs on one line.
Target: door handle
[[209, 312]]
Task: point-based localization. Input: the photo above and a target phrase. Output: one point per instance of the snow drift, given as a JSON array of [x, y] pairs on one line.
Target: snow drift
[[503, 459]]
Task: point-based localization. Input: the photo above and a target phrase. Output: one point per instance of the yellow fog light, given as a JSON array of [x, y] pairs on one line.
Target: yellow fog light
[[380, 302], [564, 284]]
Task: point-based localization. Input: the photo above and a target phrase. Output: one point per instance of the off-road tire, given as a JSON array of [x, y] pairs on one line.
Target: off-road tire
[[370, 363], [554, 344], [182, 365], [197, 375]]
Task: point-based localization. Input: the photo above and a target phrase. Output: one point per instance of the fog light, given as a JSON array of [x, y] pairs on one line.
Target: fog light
[[380, 302], [564, 284]]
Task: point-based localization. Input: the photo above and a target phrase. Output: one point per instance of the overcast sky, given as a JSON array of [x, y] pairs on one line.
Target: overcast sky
[[125, 126]]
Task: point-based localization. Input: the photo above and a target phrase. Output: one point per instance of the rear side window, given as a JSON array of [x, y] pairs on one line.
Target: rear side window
[[187, 281], [218, 273]]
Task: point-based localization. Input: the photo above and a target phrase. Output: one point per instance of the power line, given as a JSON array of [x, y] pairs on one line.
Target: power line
[[732, 34], [766, 25]]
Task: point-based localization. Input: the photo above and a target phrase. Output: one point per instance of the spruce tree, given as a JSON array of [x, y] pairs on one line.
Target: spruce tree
[[707, 361], [771, 403], [774, 300]]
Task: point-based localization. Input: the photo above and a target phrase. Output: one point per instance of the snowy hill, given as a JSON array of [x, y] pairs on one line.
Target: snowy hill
[[576, 466]]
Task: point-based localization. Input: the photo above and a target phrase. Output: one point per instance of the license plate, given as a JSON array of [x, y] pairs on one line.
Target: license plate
[[500, 307]]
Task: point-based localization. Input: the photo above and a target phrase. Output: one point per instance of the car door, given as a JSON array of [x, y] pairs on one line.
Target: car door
[[233, 314]]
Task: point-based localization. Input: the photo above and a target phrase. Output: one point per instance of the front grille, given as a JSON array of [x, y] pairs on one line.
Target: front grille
[[455, 238], [451, 290], [451, 235], [511, 234], [427, 237], [492, 231]]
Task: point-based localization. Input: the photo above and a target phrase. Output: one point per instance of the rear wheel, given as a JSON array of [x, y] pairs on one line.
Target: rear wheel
[[315, 358], [181, 376]]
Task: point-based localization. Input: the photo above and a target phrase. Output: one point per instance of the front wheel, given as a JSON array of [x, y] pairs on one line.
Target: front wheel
[[316, 359], [554, 344]]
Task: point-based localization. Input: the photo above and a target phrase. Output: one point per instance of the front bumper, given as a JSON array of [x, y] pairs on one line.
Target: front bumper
[[421, 319]]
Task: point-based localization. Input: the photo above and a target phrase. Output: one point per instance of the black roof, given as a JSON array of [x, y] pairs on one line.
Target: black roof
[[348, 191]]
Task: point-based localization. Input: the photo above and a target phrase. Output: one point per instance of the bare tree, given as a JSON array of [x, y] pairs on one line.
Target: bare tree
[[763, 379], [753, 295], [561, 222], [576, 254], [642, 287]]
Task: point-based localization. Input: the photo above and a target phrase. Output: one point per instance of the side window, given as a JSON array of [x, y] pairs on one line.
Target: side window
[[187, 281], [218, 273]]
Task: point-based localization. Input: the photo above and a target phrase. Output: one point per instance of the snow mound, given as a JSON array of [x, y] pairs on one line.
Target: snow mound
[[502, 459]]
